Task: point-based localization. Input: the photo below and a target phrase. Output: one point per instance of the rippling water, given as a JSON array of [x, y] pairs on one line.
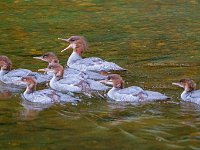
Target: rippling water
[[157, 41]]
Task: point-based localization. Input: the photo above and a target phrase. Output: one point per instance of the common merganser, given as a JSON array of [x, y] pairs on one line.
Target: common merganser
[[52, 58], [189, 94], [79, 45], [43, 96], [49, 57], [132, 94], [71, 83], [9, 76]]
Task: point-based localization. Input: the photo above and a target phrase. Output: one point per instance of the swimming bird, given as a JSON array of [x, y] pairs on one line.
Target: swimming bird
[[79, 45], [189, 94], [71, 83], [43, 96], [133, 94], [9, 76], [50, 57]]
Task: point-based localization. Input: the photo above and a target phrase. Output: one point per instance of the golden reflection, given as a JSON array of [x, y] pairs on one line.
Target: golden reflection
[[17, 1], [29, 114], [161, 44], [157, 41], [35, 52], [194, 2], [5, 95], [19, 34]]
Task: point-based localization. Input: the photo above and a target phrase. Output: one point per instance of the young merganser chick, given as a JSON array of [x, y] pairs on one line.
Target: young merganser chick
[[79, 45], [9, 76], [52, 58], [71, 83], [43, 96], [133, 94], [189, 94], [49, 57]]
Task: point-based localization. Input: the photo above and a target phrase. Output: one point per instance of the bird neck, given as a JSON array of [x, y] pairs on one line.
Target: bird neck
[[59, 75], [114, 89], [30, 88], [73, 58]]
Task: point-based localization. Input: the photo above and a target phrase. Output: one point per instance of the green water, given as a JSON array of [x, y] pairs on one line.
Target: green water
[[158, 41]]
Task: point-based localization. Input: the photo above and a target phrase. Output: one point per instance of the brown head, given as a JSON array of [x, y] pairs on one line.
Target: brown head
[[5, 63], [188, 84], [31, 82], [49, 57], [77, 43], [117, 81], [56, 68]]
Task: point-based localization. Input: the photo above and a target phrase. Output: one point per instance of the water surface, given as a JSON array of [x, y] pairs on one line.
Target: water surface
[[157, 41]]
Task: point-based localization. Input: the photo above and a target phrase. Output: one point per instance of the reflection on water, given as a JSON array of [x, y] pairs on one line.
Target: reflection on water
[[31, 110], [157, 41], [6, 91]]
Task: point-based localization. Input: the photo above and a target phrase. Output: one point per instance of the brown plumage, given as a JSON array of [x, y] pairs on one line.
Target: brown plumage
[[188, 84], [81, 43], [50, 57], [5, 63], [57, 68], [31, 82], [117, 80]]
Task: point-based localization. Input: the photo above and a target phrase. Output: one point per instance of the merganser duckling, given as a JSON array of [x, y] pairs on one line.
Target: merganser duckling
[[133, 94], [9, 76], [52, 58], [79, 45], [49, 57], [189, 94], [43, 96], [71, 83]]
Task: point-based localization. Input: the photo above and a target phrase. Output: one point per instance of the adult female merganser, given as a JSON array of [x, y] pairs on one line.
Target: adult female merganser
[[189, 94], [71, 83], [52, 58], [79, 45], [43, 96], [9, 76], [133, 94]]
